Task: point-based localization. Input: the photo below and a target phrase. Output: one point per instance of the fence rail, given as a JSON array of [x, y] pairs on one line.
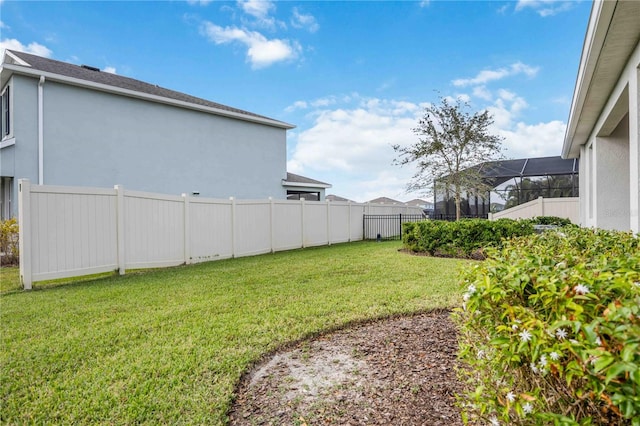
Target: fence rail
[[386, 226], [70, 231]]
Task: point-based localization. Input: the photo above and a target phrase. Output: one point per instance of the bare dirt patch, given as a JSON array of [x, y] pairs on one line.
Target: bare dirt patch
[[398, 371]]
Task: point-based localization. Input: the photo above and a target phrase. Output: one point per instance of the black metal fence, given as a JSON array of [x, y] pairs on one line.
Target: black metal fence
[[386, 226], [452, 217]]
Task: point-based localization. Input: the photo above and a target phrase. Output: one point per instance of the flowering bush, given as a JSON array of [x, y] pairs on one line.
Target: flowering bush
[[550, 331], [9, 242]]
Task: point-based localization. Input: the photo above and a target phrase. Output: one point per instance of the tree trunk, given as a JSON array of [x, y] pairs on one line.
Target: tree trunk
[[458, 201]]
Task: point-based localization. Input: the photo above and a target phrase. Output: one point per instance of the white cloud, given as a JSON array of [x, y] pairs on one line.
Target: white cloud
[[350, 146], [34, 48], [534, 140], [487, 76], [296, 106], [482, 93], [425, 3], [257, 8], [545, 8], [3, 25], [301, 20], [261, 52], [111, 70], [260, 10]]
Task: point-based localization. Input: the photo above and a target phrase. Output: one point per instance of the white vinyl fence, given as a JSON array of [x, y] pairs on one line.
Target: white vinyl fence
[[73, 231], [567, 207]]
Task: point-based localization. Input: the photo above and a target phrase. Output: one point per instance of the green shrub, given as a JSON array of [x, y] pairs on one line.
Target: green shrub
[[551, 220], [462, 238], [550, 331], [9, 242]]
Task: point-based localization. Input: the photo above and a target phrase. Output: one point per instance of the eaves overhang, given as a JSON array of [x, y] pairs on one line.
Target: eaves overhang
[[6, 70], [306, 185], [612, 35]]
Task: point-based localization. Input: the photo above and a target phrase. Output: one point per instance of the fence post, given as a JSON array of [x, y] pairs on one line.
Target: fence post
[[120, 228], [349, 221], [302, 233], [187, 229], [541, 205], [400, 225], [24, 236], [328, 222], [271, 224], [233, 226]]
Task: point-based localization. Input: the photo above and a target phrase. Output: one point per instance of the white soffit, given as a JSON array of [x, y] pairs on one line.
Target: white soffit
[[613, 34]]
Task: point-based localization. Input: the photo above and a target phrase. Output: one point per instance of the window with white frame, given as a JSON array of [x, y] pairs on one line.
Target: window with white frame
[[5, 130]]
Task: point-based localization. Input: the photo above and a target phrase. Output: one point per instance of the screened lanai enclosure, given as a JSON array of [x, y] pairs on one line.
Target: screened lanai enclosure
[[513, 182]]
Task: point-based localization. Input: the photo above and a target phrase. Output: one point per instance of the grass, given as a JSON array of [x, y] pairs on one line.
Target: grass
[[168, 346]]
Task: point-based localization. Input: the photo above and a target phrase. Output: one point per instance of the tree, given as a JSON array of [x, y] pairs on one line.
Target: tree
[[452, 143]]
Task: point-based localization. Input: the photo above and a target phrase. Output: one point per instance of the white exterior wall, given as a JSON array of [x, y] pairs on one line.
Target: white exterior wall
[[610, 161], [566, 207], [94, 138]]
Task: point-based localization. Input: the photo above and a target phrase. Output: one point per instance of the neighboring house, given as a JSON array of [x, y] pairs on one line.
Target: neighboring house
[[298, 187], [423, 204], [604, 122], [384, 200], [65, 124], [426, 206], [332, 197]]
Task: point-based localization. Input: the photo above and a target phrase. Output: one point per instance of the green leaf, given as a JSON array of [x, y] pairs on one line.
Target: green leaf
[[620, 367], [603, 362]]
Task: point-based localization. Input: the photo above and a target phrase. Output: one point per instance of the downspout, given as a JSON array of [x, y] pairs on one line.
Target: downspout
[[41, 131]]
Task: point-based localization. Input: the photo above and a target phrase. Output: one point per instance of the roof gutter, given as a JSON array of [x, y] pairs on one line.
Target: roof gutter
[[139, 95], [305, 185]]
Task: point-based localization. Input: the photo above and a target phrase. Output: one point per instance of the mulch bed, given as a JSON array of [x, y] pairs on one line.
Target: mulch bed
[[399, 371]]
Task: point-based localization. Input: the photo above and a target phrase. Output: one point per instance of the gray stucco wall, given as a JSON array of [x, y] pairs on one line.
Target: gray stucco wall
[[101, 139], [612, 182]]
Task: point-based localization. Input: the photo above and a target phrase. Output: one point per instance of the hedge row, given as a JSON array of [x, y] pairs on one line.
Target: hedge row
[[550, 331], [468, 237]]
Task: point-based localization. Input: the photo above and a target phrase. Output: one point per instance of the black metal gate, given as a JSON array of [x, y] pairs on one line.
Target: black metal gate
[[386, 226]]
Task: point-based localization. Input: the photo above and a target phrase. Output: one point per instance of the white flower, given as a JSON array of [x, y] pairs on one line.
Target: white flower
[[525, 335], [511, 397], [466, 296], [581, 289], [598, 341], [514, 327], [471, 289], [554, 356], [533, 367], [494, 421], [543, 361], [561, 333], [527, 408]]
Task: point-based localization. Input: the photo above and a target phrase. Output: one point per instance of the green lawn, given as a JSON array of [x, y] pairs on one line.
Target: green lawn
[[168, 346]]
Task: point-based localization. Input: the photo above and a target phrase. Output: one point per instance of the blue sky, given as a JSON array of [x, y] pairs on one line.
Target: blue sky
[[352, 76]]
